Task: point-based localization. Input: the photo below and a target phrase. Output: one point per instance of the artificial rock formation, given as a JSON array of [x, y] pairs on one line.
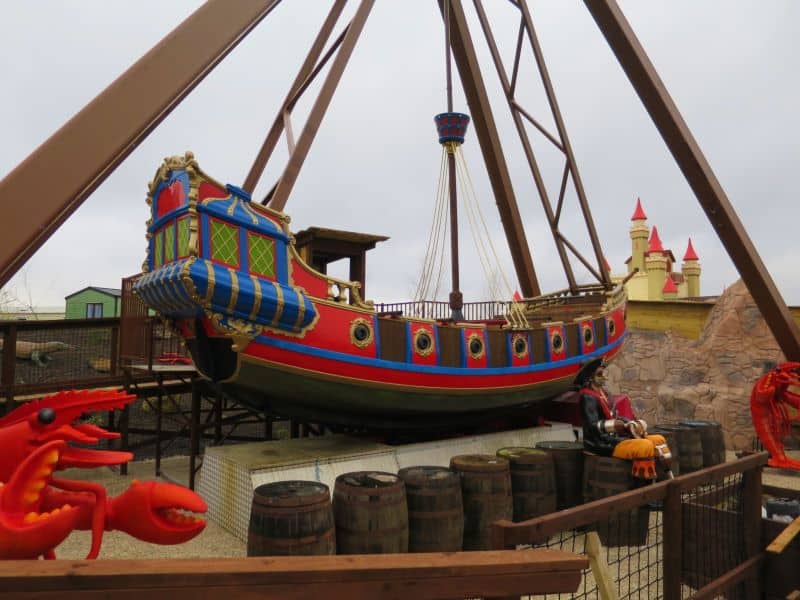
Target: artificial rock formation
[[669, 377]]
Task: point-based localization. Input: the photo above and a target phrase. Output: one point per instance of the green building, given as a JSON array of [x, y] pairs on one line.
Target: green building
[[93, 303]]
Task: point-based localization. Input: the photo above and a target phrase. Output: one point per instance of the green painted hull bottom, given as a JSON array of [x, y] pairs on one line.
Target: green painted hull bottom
[[323, 401]]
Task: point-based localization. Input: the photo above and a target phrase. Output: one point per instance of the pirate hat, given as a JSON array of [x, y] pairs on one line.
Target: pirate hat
[[588, 370]]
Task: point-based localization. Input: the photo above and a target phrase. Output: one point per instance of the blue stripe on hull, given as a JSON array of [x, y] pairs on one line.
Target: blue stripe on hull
[[409, 366]]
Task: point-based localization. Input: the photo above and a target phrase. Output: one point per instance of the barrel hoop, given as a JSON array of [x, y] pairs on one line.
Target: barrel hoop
[[292, 510], [539, 494], [433, 513], [501, 494], [376, 532], [411, 492], [487, 475], [374, 506], [303, 541], [388, 491]]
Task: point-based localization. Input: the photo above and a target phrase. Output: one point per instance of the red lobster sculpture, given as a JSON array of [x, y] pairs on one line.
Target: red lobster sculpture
[[768, 407], [39, 510]]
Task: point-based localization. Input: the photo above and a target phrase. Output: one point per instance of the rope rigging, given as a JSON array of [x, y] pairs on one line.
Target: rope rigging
[[499, 286], [453, 174]]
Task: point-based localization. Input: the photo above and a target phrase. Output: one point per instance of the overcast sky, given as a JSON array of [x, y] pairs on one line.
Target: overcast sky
[[730, 65]]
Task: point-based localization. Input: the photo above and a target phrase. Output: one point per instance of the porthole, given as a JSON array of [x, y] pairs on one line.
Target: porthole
[[612, 327], [361, 334], [475, 346], [556, 342], [520, 347], [423, 342], [588, 336]]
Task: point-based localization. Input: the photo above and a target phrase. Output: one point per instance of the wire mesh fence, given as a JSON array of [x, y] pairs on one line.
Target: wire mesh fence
[[41, 356], [685, 538], [634, 561], [713, 540]]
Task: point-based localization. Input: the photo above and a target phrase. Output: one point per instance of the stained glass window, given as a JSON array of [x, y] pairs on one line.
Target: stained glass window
[[169, 243], [262, 255], [158, 247], [183, 237], [225, 243]]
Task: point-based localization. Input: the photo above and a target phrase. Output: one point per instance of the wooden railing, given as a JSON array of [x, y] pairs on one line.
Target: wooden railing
[[376, 576]]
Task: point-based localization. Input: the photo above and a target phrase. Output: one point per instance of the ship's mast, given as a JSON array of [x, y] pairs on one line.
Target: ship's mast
[[456, 297]]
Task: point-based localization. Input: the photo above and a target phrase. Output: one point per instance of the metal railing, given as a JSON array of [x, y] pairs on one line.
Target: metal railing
[[436, 310]]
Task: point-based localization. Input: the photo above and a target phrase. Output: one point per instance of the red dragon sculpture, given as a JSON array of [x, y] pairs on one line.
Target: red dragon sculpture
[[39, 510], [768, 406]]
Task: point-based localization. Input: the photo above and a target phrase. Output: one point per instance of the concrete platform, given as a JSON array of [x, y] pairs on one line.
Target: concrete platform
[[230, 474]]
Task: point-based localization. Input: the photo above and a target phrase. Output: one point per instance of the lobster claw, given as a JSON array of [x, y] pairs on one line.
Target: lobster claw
[[152, 511], [27, 528]]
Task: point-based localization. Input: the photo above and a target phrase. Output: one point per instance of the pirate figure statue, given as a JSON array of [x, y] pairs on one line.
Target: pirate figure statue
[[608, 434]]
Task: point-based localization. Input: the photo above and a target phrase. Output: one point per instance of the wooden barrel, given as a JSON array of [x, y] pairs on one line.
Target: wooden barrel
[[568, 464], [605, 476], [370, 511], [291, 518], [533, 481], [690, 447], [486, 494], [671, 437], [435, 509], [712, 440]]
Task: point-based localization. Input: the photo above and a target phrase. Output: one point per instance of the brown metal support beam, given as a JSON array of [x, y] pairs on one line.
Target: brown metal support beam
[[562, 132], [303, 75], [295, 163], [698, 173], [489, 140], [53, 181], [541, 188]]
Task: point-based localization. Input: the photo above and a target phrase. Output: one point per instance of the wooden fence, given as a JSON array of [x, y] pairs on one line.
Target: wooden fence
[[710, 546], [40, 357], [690, 511], [377, 576]]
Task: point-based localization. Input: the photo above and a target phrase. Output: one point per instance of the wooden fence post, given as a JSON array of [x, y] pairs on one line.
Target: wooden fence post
[[606, 585], [113, 361], [751, 517], [673, 527]]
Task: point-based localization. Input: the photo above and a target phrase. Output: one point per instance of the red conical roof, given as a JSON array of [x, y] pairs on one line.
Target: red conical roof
[[638, 214], [606, 265], [690, 253], [654, 245], [669, 286]]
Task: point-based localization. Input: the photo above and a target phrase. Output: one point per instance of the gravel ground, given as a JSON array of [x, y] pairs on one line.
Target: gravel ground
[[213, 542]]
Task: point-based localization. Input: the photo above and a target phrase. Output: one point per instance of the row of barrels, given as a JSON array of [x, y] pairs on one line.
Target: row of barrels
[[421, 509], [436, 509]]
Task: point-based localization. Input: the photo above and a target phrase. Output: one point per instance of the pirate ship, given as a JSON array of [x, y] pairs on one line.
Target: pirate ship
[[275, 332], [257, 318]]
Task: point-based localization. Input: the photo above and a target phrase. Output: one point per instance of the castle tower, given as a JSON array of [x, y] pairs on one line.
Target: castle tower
[[670, 290], [656, 265], [691, 271], [638, 233]]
